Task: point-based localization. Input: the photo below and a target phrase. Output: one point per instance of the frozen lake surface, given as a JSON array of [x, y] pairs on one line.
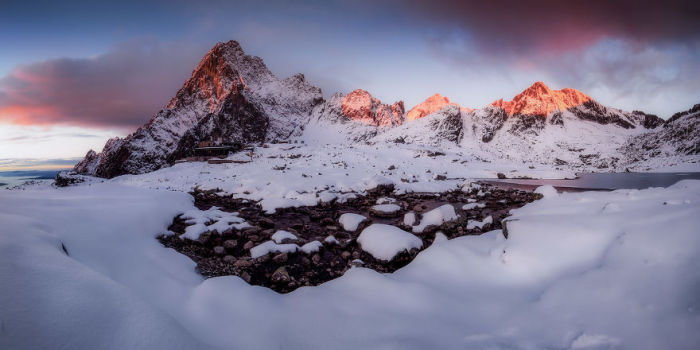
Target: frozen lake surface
[[609, 181]]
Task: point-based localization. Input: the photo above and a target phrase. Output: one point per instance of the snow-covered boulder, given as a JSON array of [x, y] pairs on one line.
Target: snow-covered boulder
[[385, 210], [436, 217], [409, 219], [311, 247], [331, 240], [350, 221], [281, 236], [272, 247], [378, 183], [473, 205], [385, 200], [212, 219], [385, 241]]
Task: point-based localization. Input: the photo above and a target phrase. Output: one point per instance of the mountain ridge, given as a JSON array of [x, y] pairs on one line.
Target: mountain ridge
[[234, 97]]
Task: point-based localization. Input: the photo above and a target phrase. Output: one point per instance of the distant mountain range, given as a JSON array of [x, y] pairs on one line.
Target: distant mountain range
[[234, 97], [19, 176]]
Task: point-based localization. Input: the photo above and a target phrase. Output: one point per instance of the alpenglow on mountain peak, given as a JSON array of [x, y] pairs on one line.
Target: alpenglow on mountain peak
[[539, 99]]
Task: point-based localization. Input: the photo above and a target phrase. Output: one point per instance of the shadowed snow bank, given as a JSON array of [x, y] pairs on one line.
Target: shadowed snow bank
[[579, 270]]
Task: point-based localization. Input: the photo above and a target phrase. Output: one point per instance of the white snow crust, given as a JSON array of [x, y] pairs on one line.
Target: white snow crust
[[547, 191], [385, 241], [222, 221], [472, 224], [473, 205], [386, 208], [437, 216], [350, 221], [268, 247], [409, 219], [281, 235], [311, 247]]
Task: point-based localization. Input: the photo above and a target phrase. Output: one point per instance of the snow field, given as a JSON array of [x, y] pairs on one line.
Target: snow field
[[571, 275]]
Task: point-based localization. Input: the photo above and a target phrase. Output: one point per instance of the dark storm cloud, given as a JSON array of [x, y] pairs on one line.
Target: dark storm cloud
[[122, 88], [526, 26]]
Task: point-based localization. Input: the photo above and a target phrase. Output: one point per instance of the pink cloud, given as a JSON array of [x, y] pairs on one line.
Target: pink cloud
[[122, 88]]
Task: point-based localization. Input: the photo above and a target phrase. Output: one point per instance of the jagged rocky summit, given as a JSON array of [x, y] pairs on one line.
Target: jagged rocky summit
[[230, 96], [234, 98]]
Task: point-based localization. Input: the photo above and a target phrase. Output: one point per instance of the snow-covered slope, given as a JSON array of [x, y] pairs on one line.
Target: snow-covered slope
[[355, 117], [560, 139], [230, 95], [677, 142], [563, 128], [441, 128]]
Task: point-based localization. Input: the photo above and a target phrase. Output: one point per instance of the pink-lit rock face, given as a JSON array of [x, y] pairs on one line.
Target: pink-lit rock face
[[360, 106], [431, 105], [213, 78], [539, 99]]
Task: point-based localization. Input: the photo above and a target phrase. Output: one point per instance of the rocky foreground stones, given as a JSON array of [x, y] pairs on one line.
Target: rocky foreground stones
[[310, 244]]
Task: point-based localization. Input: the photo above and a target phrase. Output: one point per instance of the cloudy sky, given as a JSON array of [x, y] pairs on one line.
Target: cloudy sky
[[75, 73]]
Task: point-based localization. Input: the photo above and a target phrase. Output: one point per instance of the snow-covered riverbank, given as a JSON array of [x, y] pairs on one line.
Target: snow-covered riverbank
[[579, 270], [284, 175]]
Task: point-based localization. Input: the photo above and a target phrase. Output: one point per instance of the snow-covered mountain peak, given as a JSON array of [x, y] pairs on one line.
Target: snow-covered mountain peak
[[234, 99], [223, 69], [431, 105], [539, 99], [231, 97], [537, 88], [359, 105]]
